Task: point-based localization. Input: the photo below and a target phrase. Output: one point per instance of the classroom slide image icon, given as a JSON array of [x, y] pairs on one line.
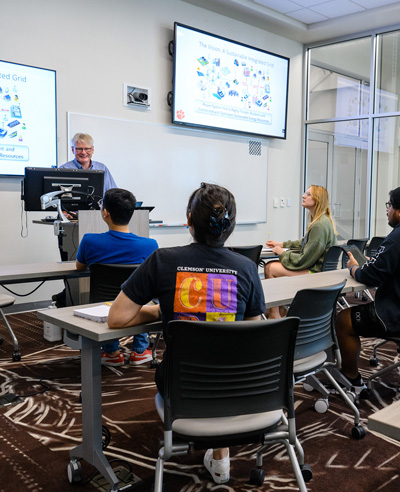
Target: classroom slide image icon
[[15, 111], [235, 83], [13, 123]]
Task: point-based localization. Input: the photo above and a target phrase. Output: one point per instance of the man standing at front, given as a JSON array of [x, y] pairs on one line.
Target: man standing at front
[[117, 245], [382, 317], [82, 147]]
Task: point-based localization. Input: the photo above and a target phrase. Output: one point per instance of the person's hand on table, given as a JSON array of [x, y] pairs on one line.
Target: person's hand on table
[[278, 250], [273, 244]]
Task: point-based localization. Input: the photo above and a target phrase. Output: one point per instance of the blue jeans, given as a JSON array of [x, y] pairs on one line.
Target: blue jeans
[[139, 344]]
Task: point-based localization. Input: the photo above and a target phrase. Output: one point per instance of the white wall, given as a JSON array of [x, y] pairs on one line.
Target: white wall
[[97, 45]]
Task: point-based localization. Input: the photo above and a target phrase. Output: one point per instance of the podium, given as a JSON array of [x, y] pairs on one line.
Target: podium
[[91, 221]]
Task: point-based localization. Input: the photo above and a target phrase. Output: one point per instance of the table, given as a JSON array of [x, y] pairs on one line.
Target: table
[[36, 272], [88, 336], [386, 421], [281, 291]]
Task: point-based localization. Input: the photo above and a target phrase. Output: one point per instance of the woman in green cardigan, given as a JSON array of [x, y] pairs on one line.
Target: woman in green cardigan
[[305, 256]]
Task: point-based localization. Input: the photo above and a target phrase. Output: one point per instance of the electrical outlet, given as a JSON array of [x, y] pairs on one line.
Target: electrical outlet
[[282, 202]]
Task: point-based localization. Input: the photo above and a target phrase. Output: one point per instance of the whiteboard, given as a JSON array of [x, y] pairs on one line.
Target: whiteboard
[[163, 164]]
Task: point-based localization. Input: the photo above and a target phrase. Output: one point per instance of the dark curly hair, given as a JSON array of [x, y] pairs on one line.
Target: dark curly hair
[[213, 214]]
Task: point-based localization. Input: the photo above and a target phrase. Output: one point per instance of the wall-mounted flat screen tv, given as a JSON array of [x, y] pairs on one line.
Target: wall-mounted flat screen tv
[[28, 124], [225, 85]]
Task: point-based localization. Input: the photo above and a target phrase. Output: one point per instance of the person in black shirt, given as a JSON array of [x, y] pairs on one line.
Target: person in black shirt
[[381, 317], [201, 281]]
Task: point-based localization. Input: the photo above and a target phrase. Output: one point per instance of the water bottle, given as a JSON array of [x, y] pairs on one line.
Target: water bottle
[[52, 333]]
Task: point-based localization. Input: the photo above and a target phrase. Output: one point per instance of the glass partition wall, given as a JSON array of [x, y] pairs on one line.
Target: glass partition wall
[[352, 129]]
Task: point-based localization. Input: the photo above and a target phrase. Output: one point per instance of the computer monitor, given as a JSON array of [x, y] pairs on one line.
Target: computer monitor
[[80, 189]]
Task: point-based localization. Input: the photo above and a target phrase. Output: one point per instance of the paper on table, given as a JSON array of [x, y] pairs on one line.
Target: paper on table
[[269, 250], [95, 313]]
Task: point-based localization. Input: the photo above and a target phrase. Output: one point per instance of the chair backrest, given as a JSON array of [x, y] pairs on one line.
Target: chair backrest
[[252, 252], [374, 245], [212, 372], [316, 309], [360, 243], [106, 280], [331, 259]]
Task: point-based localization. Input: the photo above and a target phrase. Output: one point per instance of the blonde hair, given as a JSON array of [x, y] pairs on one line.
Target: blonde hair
[[321, 197], [82, 137]]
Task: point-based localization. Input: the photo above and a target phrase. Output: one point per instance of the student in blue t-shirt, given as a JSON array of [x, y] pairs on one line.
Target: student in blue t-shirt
[[117, 245]]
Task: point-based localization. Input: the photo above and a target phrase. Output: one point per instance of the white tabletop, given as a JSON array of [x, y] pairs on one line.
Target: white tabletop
[[281, 291], [386, 421], [33, 271], [277, 292], [99, 332]]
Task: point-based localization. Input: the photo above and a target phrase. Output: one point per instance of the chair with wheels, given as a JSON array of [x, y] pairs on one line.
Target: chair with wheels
[[331, 260], [360, 243], [105, 284], [252, 252], [215, 398], [374, 359], [6, 301], [106, 280], [372, 250], [316, 349], [374, 246]]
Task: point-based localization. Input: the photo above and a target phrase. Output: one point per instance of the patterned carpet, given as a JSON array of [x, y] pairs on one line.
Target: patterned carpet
[[37, 432]]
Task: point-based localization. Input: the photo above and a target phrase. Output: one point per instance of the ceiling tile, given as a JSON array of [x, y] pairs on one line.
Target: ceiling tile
[[283, 6], [373, 4], [337, 8], [308, 3], [307, 16]]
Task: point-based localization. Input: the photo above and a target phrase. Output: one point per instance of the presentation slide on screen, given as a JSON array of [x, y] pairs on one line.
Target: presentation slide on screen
[[223, 84], [27, 118]]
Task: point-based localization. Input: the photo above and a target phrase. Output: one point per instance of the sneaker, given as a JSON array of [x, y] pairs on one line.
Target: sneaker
[[358, 387], [219, 469], [135, 359], [112, 360]]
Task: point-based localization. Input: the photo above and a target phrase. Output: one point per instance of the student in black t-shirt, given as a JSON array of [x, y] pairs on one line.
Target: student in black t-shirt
[[179, 277], [380, 318]]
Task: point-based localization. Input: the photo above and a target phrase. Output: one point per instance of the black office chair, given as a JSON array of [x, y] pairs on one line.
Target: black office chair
[[316, 339], [215, 398], [360, 243], [106, 280], [6, 301], [374, 246], [331, 260], [372, 250], [252, 252], [105, 285]]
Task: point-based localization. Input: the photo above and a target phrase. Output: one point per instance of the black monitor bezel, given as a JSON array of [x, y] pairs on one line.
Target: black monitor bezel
[[36, 183]]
